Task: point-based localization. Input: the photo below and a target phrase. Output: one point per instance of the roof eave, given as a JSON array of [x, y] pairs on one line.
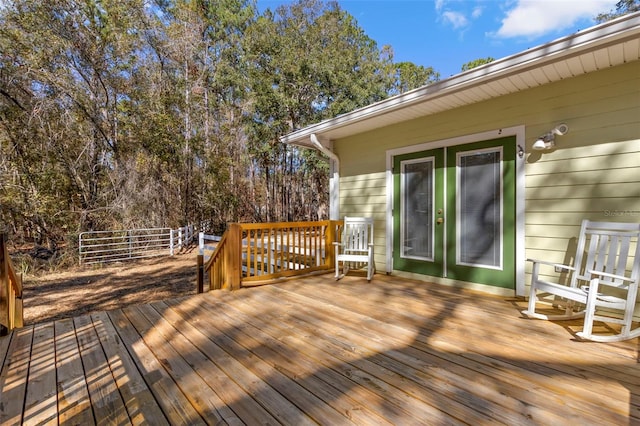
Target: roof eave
[[599, 36]]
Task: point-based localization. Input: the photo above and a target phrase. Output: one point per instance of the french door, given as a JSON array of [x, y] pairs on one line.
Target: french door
[[454, 212]]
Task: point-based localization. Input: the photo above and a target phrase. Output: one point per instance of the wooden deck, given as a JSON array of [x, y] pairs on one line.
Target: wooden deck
[[316, 351]]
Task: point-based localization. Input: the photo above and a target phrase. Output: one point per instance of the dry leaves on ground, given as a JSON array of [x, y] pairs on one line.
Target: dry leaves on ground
[[89, 289]]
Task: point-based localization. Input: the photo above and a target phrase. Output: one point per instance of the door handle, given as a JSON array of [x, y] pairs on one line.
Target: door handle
[[439, 220]]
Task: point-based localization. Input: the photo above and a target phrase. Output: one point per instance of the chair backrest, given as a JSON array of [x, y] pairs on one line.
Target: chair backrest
[[608, 247], [357, 233]]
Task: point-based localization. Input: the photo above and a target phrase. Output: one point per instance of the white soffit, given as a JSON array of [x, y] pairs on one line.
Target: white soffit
[[606, 45]]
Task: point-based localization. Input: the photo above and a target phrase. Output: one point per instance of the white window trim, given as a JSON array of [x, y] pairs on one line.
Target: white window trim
[[459, 156], [431, 160]]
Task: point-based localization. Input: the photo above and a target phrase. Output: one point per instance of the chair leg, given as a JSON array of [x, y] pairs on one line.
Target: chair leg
[[531, 309], [532, 301], [587, 331], [590, 309]]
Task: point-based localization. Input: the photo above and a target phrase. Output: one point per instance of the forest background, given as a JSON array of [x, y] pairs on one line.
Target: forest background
[[118, 114]]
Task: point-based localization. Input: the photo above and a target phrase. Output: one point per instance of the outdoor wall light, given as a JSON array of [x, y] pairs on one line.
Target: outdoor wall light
[[548, 140]]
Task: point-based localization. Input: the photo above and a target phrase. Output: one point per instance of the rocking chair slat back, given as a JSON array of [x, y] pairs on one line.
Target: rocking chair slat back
[[607, 250], [356, 235]]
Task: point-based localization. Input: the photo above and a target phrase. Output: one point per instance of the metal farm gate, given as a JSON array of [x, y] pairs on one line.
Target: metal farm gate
[[130, 244]]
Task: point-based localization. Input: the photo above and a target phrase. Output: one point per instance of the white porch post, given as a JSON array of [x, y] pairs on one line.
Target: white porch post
[[334, 190], [334, 179]]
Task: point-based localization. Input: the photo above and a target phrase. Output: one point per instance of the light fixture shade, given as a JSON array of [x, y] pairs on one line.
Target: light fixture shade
[[540, 145], [548, 140]]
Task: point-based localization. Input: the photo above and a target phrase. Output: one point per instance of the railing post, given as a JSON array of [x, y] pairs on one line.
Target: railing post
[[170, 242], [4, 287], [234, 257], [201, 243], [19, 318], [330, 238], [180, 236], [200, 274]]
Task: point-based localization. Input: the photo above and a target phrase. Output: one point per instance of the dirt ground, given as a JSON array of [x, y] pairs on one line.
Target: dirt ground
[[102, 288]]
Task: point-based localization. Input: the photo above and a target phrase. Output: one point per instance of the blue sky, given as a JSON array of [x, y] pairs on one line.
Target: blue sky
[[446, 34]]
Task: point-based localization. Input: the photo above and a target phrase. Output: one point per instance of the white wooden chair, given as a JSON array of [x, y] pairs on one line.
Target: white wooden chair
[[603, 284], [356, 245]]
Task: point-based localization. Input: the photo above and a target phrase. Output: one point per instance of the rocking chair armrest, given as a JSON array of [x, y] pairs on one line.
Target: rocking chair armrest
[[555, 265], [610, 276], [335, 243]]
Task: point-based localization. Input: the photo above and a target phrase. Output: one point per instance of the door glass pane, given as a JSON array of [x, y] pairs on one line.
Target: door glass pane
[[479, 210], [417, 190]]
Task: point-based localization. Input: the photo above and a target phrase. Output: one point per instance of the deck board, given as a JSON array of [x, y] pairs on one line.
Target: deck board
[[14, 376], [313, 350], [41, 403], [138, 399], [512, 348], [106, 401], [170, 399], [199, 394], [74, 405], [456, 367], [238, 360], [327, 384], [372, 344]]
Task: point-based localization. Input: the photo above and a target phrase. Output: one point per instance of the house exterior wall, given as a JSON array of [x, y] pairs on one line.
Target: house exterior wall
[[593, 173]]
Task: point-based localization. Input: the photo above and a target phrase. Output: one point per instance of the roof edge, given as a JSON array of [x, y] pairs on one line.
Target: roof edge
[[591, 38]]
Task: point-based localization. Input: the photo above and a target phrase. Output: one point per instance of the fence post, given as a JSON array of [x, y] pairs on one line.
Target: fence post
[[80, 248], [170, 242], [201, 243]]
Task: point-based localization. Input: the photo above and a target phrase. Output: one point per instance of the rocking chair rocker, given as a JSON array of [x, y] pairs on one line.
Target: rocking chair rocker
[[606, 252]]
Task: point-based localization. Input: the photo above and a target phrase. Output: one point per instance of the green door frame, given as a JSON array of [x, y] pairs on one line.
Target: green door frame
[[498, 277], [516, 258]]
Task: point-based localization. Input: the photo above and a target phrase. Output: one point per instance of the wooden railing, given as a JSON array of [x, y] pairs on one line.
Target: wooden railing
[[258, 253], [11, 315]]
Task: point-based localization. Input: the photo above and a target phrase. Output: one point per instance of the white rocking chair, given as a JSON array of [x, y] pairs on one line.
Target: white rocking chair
[[356, 245], [606, 252]]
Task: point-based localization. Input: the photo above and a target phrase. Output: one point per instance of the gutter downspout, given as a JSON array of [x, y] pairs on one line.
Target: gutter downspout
[[334, 179]]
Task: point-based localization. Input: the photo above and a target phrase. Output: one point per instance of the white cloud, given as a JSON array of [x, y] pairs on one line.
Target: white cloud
[[459, 14], [456, 19], [535, 18], [477, 12]]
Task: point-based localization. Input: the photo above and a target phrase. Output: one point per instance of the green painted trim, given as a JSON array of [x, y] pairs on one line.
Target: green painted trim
[[504, 278]]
